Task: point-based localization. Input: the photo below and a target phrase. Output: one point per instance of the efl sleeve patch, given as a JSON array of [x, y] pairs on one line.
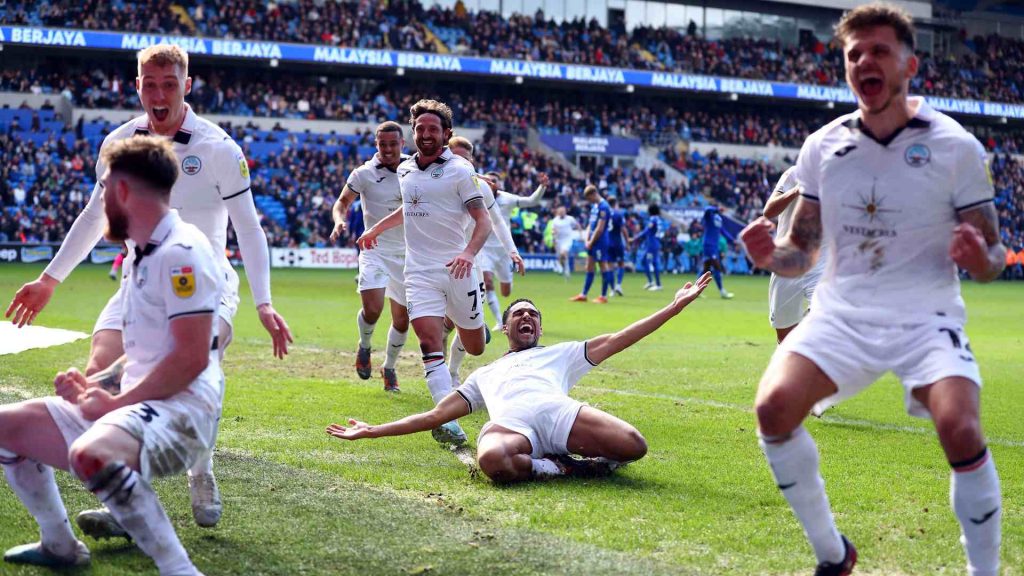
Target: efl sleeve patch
[[243, 168], [183, 280]]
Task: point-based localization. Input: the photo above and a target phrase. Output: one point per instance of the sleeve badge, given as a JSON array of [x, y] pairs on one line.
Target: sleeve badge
[[183, 280]]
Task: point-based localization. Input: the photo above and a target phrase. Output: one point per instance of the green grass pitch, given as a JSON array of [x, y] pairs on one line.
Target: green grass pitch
[[701, 502]]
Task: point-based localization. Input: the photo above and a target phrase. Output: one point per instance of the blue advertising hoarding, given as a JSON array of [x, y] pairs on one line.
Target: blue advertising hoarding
[[605, 145], [390, 59]]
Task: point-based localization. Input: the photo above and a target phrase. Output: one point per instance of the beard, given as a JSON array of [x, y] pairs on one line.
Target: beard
[[431, 149], [117, 225], [894, 92], [524, 341]]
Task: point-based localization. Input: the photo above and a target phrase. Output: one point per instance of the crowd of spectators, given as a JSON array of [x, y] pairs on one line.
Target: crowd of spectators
[[46, 182], [284, 95], [362, 23], [42, 187], [982, 68]]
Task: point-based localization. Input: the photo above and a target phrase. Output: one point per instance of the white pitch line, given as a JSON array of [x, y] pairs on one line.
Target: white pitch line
[[868, 424]]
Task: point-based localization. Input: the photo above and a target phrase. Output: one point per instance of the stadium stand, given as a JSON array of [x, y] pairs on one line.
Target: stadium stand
[[980, 67], [49, 175], [281, 95]]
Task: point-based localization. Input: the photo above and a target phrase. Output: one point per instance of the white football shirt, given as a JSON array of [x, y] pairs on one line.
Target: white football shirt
[[888, 210], [177, 274], [377, 187], [213, 183], [519, 381], [435, 215], [565, 228]]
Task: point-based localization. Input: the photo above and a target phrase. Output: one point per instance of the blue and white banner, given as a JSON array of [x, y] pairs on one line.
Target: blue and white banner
[[540, 261], [285, 52], [606, 145]]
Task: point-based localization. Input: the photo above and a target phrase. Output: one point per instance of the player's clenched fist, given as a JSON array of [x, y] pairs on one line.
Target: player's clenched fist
[[70, 385], [757, 237], [969, 249], [95, 402]]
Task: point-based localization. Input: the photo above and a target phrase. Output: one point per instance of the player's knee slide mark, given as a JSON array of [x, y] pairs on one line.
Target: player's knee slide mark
[[113, 482]]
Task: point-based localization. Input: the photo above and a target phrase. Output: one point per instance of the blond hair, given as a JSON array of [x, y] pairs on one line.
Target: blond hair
[[590, 189], [164, 55], [874, 15], [460, 142]]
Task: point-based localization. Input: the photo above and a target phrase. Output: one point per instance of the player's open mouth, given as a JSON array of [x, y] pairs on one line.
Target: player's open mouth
[[526, 329], [160, 113], [871, 86]]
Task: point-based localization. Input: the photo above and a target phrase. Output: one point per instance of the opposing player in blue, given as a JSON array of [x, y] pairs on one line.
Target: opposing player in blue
[[713, 230], [617, 241], [596, 241], [649, 239]]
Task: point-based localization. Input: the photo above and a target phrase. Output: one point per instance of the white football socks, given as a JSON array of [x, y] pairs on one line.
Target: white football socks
[[439, 381], [365, 330], [495, 305], [134, 505], [975, 496], [794, 463], [456, 354], [546, 468], [34, 484], [396, 340]]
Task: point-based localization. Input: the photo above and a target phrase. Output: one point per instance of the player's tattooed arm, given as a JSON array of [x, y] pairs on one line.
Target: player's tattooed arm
[[976, 245], [483, 226], [795, 254], [109, 378]]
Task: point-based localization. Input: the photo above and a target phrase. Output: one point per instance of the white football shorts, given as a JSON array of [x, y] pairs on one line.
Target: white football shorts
[[438, 293], [546, 425], [564, 246], [786, 298], [174, 432], [386, 270], [854, 354], [498, 262]]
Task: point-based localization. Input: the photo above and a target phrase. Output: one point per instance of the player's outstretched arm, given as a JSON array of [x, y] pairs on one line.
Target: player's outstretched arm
[[499, 226], [605, 346], [368, 240], [535, 198], [976, 245], [793, 255], [451, 407], [85, 232], [252, 241], [339, 212]]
